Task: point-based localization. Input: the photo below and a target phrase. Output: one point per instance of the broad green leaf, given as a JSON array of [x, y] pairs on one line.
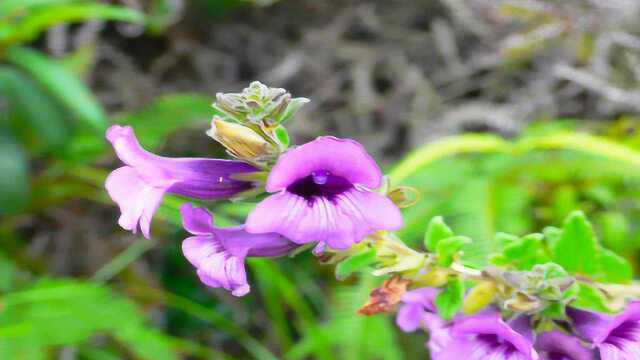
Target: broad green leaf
[[615, 268], [14, 175], [449, 247], [436, 230], [450, 300], [62, 85], [35, 117], [355, 263], [577, 250], [40, 18]]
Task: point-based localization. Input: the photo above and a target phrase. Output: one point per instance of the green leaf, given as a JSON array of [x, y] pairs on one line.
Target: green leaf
[[615, 268], [292, 109], [450, 300], [14, 176], [355, 263], [9, 7], [40, 18], [590, 298], [436, 231], [283, 136], [35, 117], [62, 85], [577, 250], [449, 247]]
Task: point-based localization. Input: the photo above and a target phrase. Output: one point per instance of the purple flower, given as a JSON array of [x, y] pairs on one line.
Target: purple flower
[[218, 253], [419, 311], [487, 336], [139, 186], [556, 345], [322, 192], [616, 337], [479, 337]]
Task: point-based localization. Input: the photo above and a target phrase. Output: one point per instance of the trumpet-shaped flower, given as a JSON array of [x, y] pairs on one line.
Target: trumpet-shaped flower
[[615, 337], [138, 187], [219, 253], [322, 192]]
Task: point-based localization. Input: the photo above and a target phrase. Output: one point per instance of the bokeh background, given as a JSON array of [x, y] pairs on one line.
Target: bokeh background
[[506, 115]]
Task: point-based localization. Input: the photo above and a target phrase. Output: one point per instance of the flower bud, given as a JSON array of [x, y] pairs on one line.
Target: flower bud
[[241, 141], [479, 297], [434, 278], [522, 303]]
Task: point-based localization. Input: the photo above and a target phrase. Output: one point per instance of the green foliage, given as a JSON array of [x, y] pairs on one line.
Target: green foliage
[[577, 248], [450, 300], [448, 248], [436, 230], [355, 263], [484, 185], [63, 312], [61, 84], [14, 182]]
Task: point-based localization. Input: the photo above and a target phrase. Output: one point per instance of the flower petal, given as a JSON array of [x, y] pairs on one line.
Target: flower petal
[[199, 178], [341, 157], [557, 343], [138, 200], [197, 221], [339, 223], [424, 296], [493, 325], [409, 317]]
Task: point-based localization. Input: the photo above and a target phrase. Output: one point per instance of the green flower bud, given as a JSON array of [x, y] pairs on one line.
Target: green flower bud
[[479, 297]]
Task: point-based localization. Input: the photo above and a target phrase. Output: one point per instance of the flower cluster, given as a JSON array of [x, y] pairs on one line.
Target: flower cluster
[[555, 295], [321, 192], [487, 336]]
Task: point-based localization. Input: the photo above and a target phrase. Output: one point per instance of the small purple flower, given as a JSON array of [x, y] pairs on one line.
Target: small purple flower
[[418, 311], [218, 253], [556, 345], [322, 192], [479, 337], [139, 186], [487, 336], [615, 337]]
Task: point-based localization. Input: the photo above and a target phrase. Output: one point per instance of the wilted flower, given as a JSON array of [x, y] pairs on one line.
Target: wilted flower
[[219, 253], [615, 337], [557, 345], [139, 186], [322, 192]]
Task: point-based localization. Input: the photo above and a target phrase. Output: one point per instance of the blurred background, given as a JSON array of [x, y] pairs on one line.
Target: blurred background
[[506, 115]]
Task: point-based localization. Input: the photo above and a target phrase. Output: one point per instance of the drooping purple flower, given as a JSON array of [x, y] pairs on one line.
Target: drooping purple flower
[[219, 253], [139, 186], [487, 336], [322, 192], [557, 345], [616, 337]]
